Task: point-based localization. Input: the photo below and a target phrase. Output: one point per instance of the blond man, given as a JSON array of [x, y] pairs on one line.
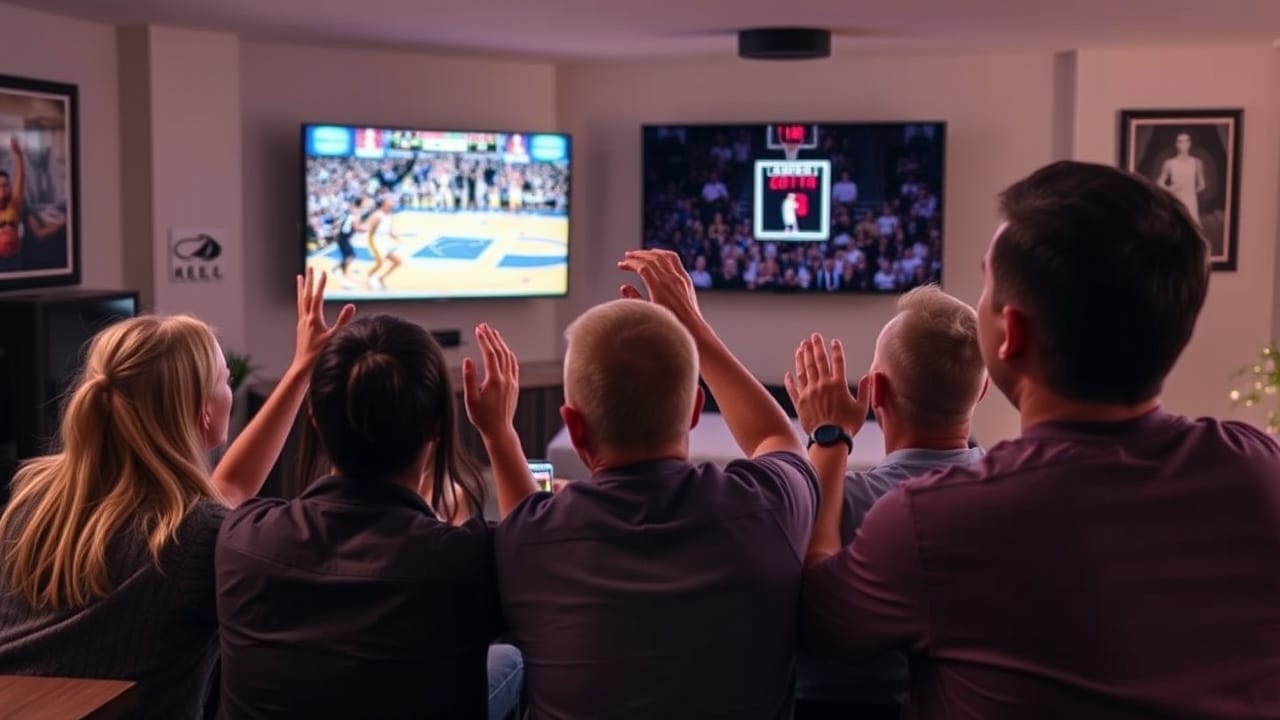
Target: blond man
[[925, 378], [659, 588]]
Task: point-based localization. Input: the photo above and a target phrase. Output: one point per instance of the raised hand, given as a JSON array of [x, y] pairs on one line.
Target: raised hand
[[313, 331], [820, 389], [666, 282], [491, 400]]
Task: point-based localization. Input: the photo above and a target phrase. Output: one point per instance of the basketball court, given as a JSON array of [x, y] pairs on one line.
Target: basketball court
[[456, 254]]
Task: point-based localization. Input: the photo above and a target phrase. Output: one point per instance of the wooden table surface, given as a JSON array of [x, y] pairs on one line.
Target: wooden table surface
[[51, 698]]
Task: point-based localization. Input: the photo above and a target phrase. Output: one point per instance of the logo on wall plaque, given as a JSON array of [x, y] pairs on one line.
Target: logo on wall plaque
[[195, 256]]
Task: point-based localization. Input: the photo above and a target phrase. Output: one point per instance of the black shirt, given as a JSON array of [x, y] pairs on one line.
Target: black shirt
[[354, 600]]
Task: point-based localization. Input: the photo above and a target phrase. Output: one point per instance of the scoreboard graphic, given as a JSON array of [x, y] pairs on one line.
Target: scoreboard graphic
[[792, 200]]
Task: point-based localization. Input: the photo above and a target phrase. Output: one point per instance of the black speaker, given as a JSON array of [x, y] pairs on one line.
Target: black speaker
[[784, 43]]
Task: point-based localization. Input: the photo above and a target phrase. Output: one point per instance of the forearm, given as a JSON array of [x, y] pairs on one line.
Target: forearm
[[243, 470], [830, 463], [511, 474], [755, 419]]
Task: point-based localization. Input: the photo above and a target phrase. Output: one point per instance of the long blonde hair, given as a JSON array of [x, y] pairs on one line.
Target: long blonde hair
[[131, 460]]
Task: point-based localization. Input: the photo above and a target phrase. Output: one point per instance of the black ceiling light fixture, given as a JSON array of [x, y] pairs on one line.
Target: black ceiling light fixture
[[784, 43]]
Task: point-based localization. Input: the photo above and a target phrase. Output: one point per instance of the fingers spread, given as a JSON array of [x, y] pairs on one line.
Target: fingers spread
[[837, 359]]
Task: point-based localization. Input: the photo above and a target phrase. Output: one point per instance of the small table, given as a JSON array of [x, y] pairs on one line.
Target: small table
[[25, 697]]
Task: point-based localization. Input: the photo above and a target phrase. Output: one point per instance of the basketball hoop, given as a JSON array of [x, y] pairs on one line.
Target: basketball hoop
[[792, 150]]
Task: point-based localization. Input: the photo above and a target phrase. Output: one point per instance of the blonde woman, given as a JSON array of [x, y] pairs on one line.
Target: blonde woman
[[106, 567]]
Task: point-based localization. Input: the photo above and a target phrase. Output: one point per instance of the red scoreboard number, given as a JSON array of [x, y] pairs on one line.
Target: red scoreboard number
[[794, 134]]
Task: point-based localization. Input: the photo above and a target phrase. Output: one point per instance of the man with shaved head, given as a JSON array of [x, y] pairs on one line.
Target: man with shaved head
[[658, 588], [925, 378]]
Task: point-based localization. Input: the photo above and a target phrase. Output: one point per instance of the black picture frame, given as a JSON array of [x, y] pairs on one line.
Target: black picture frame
[[1208, 182], [40, 235]]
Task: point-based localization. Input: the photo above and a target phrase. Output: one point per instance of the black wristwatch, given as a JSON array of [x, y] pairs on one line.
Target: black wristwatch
[[827, 435]]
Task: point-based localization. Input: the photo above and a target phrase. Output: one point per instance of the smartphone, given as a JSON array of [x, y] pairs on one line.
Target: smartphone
[[542, 474]]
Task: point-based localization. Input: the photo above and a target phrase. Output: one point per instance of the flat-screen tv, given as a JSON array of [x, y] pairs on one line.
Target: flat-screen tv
[[798, 207], [411, 214]]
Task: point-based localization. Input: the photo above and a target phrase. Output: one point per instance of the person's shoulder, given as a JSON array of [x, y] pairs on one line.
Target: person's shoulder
[[949, 477], [248, 515], [534, 509], [779, 475], [1240, 437], [780, 464], [203, 521]]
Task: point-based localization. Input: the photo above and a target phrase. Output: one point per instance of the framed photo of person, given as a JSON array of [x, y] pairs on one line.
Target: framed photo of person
[[39, 184], [1194, 154]]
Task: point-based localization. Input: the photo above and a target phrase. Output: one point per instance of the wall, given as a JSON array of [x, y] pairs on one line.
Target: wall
[[284, 86], [195, 152], [1239, 313], [50, 47], [1000, 118]]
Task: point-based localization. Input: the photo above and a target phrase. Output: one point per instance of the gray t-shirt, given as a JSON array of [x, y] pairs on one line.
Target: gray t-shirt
[[157, 627], [884, 679]]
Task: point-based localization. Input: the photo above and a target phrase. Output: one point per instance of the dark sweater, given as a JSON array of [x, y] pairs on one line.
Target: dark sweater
[[156, 627]]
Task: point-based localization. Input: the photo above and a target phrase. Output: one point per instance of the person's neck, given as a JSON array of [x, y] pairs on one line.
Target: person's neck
[[896, 438], [607, 458], [1039, 404]]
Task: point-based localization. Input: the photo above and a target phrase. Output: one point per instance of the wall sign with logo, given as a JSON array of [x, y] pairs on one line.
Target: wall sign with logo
[[197, 255]]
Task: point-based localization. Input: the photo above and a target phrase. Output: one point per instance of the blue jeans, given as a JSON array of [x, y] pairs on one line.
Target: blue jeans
[[506, 681]]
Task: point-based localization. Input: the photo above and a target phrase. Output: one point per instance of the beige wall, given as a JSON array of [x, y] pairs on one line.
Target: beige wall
[[195, 162], [1238, 314], [284, 86], [48, 47], [999, 110]]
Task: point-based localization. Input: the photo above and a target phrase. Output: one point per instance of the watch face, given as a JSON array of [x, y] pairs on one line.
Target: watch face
[[826, 434]]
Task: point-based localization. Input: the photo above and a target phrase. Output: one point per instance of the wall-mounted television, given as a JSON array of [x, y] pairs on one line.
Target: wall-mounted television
[[798, 207], [418, 214]]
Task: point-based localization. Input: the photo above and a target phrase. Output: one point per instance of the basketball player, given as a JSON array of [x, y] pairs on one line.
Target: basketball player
[[348, 226], [515, 190], [384, 244], [11, 204], [790, 207]]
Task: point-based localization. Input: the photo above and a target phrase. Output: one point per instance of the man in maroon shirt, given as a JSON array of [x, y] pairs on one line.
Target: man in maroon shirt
[[1116, 560], [660, 589]]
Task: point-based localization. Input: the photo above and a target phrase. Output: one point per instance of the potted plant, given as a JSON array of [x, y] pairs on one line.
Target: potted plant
[[241, 367], [1258, 384]]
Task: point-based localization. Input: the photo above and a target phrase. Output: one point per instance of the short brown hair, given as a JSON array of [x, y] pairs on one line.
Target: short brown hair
[[1113, 271]]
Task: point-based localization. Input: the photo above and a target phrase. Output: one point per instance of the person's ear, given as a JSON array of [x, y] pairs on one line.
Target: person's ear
[[881, 391], [1017, 334], [699, 402], [579, 434], [576, 424]]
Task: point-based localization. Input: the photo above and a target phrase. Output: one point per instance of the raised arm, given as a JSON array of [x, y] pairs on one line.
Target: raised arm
[[756, 420], [820, 391], [491, 407], [242, 471], [869, 597]]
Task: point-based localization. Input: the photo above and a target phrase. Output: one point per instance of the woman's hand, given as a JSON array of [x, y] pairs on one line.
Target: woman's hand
[[313, 331]]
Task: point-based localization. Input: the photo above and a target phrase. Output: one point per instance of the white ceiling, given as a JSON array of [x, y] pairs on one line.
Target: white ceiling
[[565, 29]]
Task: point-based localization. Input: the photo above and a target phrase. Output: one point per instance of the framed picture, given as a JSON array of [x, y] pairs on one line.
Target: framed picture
[[1194, 154], [39, 184]]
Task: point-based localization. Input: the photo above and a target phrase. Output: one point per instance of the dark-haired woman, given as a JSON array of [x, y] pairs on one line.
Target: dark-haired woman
[[358, 598]]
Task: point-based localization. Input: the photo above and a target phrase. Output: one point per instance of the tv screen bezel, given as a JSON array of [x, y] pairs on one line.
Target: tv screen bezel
[[302, 220], [762, 124]]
